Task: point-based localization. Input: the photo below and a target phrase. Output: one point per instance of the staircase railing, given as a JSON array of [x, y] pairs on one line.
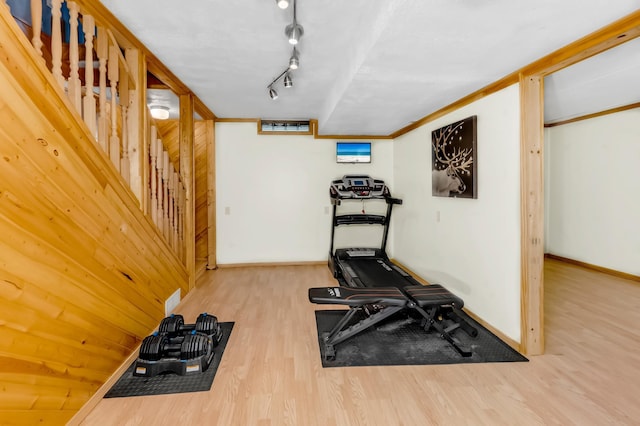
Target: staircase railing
[[167, 199], [101, 83]]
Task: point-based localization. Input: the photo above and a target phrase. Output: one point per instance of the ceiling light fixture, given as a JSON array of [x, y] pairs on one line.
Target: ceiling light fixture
[[159, 112], [282, 4], [287, 81], [294, 61], [294, 31], [272, 93]]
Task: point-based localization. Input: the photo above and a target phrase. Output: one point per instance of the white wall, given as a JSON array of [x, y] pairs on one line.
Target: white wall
[[593, 191], [272, 195], [474, 248]]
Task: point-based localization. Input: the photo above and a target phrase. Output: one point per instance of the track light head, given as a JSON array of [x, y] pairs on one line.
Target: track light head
[[282, 4], [294, 61], [294, 32], [287, 81], [273, 94]]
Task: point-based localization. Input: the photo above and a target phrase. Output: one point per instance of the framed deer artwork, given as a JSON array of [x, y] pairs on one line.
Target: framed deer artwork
[[453, 159]]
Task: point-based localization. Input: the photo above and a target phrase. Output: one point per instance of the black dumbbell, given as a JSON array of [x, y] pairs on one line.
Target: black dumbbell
[[158, 346], [207, 324], [188, 346]]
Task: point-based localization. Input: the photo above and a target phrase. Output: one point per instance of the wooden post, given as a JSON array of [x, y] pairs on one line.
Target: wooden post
[[187, 166], [532, 213], [211, 194], [56, 42], [74, 58], [136, 128], [89, 106]]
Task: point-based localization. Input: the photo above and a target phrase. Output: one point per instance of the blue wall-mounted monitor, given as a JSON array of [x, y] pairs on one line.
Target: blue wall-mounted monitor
[[353, 152]]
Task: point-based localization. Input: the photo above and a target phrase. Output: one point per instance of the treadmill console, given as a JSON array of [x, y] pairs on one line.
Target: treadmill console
[[358, 186]]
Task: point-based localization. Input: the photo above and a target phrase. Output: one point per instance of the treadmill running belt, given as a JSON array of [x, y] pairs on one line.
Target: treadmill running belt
[[379, 273]]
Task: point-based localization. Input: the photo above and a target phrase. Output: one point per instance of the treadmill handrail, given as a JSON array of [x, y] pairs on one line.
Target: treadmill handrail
[[337, 201], [359, 219]]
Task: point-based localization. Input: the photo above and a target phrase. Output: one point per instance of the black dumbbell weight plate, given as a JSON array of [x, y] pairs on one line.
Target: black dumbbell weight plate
[[152, 347], [207, 324], [195, 345], [171, 324]]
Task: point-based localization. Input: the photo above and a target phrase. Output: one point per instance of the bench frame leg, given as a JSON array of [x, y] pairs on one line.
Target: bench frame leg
[[431, 321], [339, 333]]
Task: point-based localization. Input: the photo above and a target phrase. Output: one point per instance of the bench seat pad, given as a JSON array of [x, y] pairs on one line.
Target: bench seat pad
[[433, 295], [353, 296]]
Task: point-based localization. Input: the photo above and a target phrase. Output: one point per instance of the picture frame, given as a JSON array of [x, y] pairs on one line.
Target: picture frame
[[454, 165]]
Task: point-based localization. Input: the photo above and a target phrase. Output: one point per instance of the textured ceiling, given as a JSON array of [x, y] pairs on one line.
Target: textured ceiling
[[366, 66]]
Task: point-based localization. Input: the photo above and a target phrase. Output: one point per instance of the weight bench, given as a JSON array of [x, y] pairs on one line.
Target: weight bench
[[433, 302]]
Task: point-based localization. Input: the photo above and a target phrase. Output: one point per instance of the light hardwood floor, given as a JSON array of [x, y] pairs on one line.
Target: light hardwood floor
[[271, 372]]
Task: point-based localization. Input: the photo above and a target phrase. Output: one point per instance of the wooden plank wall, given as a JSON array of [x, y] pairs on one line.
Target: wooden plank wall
[[83, 273], [169, 132]]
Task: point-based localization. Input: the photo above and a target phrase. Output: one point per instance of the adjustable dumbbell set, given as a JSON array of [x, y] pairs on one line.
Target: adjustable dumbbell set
[[178, 347]]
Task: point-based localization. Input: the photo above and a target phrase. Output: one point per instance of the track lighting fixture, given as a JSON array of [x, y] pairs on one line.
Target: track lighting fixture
[[294, 61], [293, 31]]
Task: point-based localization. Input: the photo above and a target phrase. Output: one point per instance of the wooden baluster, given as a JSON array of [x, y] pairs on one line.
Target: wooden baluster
[[36, 22], [153, 150], [114, 75], [56, 41], [103, 53], [165, 199], [75, 86], [176, 185], [125, 168], [183, 209], [89, 104], [159, 166], [182, 196], [172, 188]]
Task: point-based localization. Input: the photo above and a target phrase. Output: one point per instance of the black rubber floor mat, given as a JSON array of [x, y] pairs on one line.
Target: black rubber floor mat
[[401, 341], [130, 385]]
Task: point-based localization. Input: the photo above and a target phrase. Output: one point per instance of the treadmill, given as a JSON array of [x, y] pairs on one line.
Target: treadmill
[[361, 266]]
